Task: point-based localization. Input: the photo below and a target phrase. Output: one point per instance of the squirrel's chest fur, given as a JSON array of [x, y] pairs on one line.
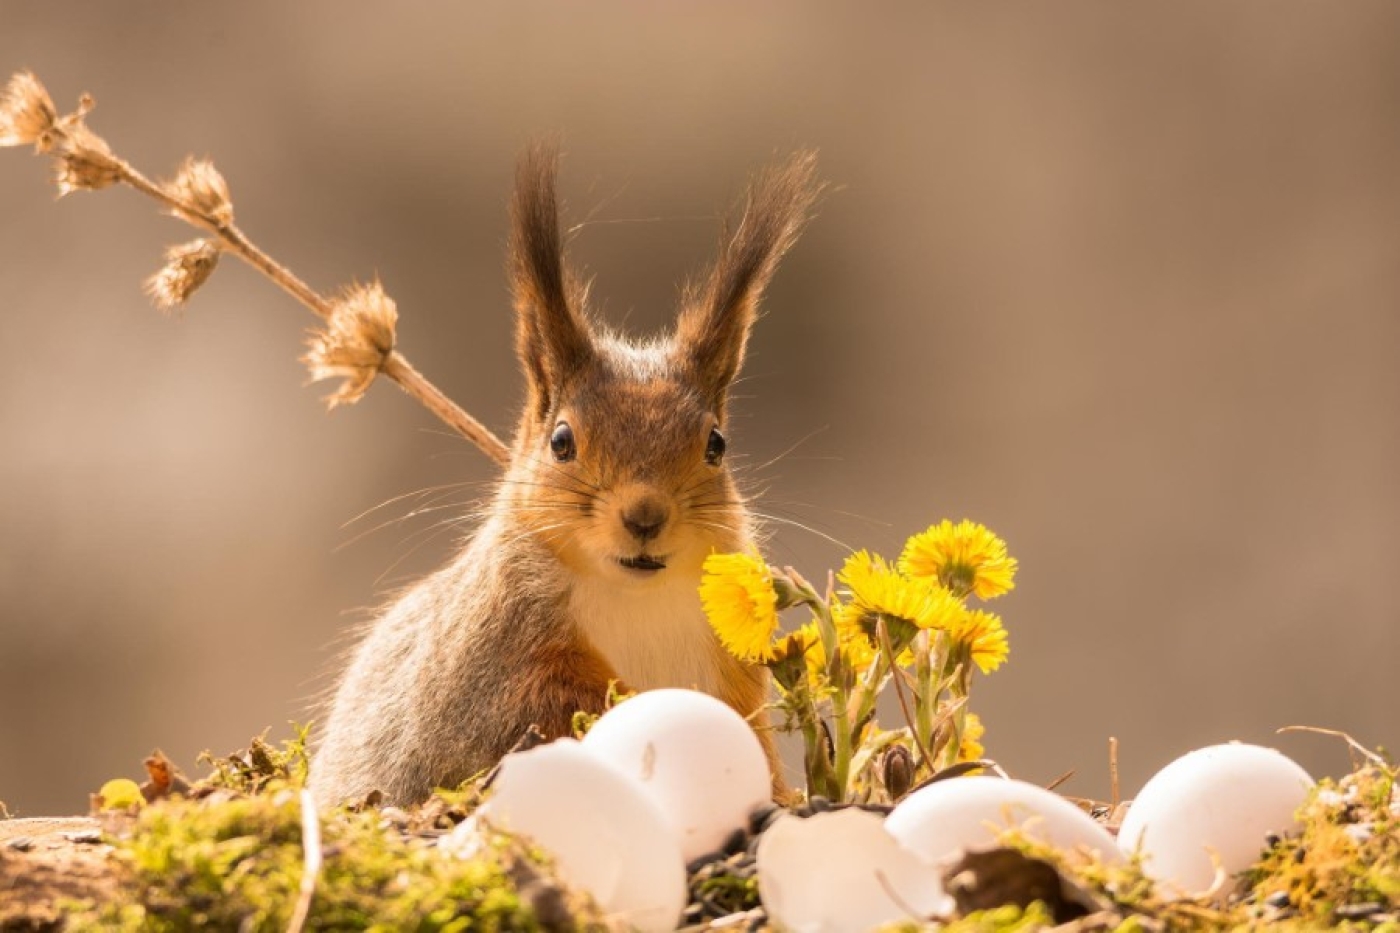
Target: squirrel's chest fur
[[654, 635]]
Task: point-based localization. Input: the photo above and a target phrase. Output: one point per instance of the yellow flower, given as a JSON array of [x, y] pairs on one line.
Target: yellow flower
[[985, 639], [965, 558], [970, 749], [877, 588], [737, 593], [857, 651]]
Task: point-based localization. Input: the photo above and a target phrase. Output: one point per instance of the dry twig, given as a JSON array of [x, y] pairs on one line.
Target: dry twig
[[357, 343]]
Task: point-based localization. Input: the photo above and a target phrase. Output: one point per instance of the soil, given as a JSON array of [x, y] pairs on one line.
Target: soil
[[46, 861]]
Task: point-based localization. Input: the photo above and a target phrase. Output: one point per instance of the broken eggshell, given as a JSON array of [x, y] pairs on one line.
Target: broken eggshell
[[840, 872], [608, 837], [697, 758], [1216, 803], [946, 818]]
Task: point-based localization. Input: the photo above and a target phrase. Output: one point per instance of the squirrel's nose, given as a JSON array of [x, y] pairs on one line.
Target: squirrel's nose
[[645, 518]]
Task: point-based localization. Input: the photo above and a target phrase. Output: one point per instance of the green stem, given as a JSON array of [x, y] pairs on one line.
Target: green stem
[[925, 700], [957, 661], [843, 740]]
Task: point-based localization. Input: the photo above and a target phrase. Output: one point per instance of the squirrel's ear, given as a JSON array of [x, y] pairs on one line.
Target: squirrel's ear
[[720, 309], [551, 338]]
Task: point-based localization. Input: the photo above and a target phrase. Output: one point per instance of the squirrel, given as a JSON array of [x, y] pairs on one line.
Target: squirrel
[[585, 571]]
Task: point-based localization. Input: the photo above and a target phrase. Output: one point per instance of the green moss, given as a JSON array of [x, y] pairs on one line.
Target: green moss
[[230, 856], [1348, 853], [237, 864], [1008, 919], [251, 770], [1342, 871]]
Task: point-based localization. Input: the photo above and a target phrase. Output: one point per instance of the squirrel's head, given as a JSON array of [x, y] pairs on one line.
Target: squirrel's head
[[619, 460]]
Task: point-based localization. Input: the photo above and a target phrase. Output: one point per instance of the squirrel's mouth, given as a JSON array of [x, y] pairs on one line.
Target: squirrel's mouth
[[643, 562]]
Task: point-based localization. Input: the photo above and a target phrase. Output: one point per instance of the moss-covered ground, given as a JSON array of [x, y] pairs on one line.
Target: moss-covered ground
[[228, 852]]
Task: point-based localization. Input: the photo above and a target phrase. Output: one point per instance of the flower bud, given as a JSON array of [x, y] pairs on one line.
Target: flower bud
[[897, 771]]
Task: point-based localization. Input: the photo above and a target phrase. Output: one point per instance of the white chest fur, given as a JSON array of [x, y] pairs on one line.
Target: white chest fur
[[655, 635]]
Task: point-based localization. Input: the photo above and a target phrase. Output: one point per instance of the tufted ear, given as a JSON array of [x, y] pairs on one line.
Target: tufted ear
[[720, 309], [552, 338]]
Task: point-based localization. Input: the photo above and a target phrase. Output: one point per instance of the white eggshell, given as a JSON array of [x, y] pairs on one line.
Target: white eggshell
[[840, 871], [607, 836], [1223, 799], [946, 818], [699, 760]]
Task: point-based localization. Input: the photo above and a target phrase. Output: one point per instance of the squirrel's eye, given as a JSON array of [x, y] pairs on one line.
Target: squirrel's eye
[[714, 450], [561, 442]]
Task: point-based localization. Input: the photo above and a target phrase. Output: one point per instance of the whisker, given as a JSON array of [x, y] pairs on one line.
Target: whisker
[[396, 521], [793, 523], [798, 443], [408, 495]]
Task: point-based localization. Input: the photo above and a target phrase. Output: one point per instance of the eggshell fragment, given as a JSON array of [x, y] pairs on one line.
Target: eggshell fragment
[[840, 871], [946, 818], [1223, 800], [697, 758], [607, 836]]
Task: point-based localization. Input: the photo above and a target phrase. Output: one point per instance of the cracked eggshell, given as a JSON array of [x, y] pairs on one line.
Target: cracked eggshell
[[696, 757], [1223, 799], [940, 821], [607, 836], [840, 872]]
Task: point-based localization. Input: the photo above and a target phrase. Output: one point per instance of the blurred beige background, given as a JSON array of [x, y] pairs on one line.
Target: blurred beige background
[[1119, 281]]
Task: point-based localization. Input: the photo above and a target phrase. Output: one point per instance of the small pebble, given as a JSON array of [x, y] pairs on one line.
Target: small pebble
[[85, 837], [883, 809], [1278, 900], [700, 862], [734, 843], [20, 844], [1358, 911], [761, 818]]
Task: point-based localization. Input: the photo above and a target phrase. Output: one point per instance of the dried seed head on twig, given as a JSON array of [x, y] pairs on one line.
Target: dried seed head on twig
[[200, 185], [356, 342], [187, 267], [85, 161], [27, 113]]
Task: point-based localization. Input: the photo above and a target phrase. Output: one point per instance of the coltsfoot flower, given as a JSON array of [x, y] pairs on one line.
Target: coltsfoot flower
[[857, 650], [970, 748], [878, 588], [984, 636], [965, 558], [736, 591]]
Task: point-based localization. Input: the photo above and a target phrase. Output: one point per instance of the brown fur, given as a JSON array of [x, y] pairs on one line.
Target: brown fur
[[537, 615]]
